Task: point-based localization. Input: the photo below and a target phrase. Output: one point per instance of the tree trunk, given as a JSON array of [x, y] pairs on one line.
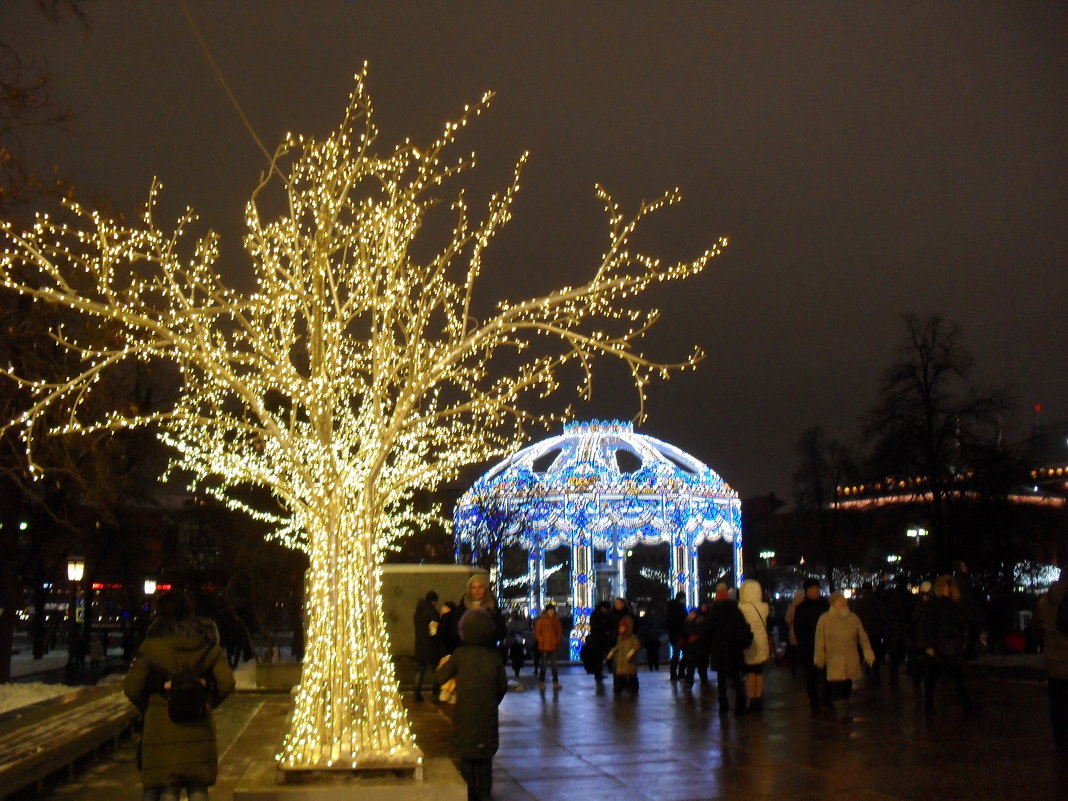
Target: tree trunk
[[347, 712], [10, 600], [39, 631]]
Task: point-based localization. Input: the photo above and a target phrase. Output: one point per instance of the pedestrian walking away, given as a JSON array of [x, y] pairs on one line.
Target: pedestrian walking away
[[945, 632], [177, 754], [806, 618], [729, 635], [518, 634], [598, 642], [839, 635], [428, 652], [676, 619], [756, 611], [478, 669]]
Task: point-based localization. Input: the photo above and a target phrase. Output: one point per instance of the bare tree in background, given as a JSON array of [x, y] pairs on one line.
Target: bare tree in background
[[929, 425], [824, 467]]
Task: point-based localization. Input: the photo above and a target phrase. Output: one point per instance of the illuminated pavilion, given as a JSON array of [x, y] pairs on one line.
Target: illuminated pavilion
[[600, 487]]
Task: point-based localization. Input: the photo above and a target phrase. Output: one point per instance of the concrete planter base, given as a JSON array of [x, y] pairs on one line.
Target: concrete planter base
[[278, 676], [441, 782]]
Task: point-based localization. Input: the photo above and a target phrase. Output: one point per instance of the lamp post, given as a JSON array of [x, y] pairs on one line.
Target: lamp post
[[75, 649], [150, 587]]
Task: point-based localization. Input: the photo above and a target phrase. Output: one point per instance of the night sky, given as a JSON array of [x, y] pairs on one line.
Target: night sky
[[865, 158]]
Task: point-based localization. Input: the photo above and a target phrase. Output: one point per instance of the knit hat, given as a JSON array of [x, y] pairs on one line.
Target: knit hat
[[836, 597], [482, 578]]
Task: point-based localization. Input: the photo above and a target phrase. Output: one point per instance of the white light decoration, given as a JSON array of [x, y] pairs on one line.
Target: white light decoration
[[573, 491], [359, 370]]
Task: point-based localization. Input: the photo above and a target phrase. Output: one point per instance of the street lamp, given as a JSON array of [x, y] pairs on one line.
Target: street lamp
[[150, 586], [75, 568], [75, 573]]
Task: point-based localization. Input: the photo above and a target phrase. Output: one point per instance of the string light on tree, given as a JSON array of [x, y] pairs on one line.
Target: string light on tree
[[354, 375]]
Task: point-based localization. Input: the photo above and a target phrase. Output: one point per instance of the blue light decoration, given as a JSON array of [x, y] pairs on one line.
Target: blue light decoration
[[573, 491]]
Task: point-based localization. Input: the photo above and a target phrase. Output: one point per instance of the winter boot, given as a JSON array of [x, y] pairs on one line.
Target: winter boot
[[841, 711]]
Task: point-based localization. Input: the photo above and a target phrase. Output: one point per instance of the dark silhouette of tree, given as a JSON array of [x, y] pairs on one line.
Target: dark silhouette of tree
[[929, 426], [824, 466]]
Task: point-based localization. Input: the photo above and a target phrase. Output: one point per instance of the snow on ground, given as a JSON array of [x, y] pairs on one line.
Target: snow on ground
[[245, 675], [15, 695]]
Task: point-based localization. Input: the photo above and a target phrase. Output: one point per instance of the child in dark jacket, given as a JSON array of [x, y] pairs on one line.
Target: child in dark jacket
[[480, 685]]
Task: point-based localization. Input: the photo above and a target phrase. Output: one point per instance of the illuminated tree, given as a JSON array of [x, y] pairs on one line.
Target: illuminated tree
[[356, 373]]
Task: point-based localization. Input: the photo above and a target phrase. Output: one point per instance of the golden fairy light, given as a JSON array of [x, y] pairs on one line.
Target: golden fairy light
[[353, 376]]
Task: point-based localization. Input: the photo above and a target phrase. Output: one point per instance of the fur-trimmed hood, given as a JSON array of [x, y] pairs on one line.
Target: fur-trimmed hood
[[193, 628]]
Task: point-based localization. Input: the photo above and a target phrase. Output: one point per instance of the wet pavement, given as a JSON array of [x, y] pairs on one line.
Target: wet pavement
[[670, 744]]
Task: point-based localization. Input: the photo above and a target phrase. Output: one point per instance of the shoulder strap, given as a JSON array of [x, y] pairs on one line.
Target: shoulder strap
[[757, 610], [201, 663]]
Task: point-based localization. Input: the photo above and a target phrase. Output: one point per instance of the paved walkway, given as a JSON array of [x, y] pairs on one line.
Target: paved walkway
[[670, 744]]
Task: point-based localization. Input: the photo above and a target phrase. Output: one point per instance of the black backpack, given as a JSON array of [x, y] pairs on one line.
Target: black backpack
[[187, 699]]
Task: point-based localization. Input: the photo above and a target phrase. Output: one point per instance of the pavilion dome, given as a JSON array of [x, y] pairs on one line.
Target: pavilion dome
[[601, 483]]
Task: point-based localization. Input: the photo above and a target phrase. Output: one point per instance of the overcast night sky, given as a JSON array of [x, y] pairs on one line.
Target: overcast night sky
[[865, 158]]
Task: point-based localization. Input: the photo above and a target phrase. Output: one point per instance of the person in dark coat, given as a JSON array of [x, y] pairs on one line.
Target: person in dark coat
[[427, 651], [1051, 614], [695, 647], [621, 609], [871, 609], [518, 633], [806, 618], [448, 638], [650, 638], [726, 629], [917, 657], [676, 618], [945, 633], [177, 755], [480, 685], [597, 642]]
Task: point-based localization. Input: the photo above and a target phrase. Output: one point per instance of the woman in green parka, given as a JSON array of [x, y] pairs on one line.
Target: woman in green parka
[[176, 755], [481, 683]]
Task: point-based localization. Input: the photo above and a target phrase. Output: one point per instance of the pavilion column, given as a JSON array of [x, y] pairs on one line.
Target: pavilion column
[[692, 579], [536, 578], [497, 576], [620, 565], [581, 591], [684, 569]]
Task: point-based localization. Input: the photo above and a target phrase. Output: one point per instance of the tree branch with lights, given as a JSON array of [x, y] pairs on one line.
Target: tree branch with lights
[[352, 376]]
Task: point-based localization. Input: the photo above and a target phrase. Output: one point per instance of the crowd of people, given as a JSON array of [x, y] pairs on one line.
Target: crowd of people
[[832, 641], [462, 650]]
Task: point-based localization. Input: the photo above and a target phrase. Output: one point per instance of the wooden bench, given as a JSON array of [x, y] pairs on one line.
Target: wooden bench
[[51, 736]]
